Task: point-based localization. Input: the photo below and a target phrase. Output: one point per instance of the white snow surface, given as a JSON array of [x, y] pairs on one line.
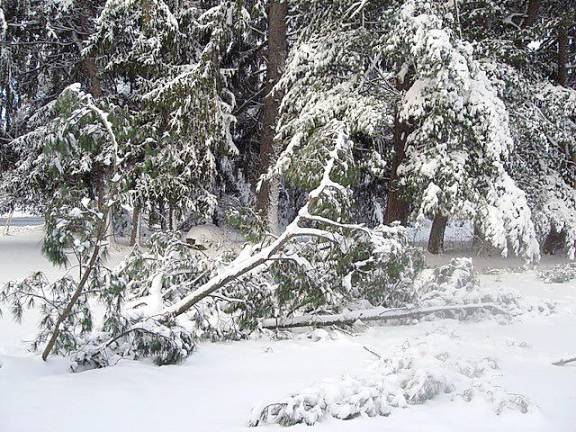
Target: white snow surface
[[218, 386]]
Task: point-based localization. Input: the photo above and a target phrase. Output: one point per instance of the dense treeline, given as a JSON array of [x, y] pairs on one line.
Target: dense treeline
[[316, 127], [458, 109]]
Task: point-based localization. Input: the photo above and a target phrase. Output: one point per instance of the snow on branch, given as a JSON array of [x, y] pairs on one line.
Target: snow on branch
[[412, 374], [242, 265]]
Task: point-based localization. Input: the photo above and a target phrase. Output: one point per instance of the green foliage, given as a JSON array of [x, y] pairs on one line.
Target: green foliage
[[248, 222]]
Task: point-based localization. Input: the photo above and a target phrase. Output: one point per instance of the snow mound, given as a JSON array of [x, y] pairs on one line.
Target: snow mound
[[214, 239], [411, 374]]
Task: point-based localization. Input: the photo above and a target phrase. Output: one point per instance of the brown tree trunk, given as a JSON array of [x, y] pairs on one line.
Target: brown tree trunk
[[91, 69], [277, 51], [436, 239], [563, 41], [135, 229], [397, 208], [532, 12]]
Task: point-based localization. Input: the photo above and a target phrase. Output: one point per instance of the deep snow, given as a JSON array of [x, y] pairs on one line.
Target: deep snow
[[216, 388]]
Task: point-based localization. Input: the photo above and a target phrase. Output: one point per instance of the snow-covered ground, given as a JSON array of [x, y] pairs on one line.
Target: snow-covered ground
[[216, 388]]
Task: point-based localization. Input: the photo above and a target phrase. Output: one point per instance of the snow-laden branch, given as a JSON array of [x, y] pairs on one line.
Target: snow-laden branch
[[104, 209], [243, 265]]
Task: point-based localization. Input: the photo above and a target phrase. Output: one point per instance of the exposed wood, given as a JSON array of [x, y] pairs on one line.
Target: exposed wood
[[375, 314], [436, 239]]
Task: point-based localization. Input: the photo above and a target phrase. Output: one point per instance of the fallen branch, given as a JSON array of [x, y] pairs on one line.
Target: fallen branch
[[244, 265], [564, 361], [374, 353], [375, 314]]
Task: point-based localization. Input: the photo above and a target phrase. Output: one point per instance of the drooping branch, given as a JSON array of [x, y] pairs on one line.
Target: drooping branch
[[244, 265], [104, 208]]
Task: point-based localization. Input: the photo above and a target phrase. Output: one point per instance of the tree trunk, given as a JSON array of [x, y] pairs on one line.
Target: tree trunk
[[563, 54], [162, 214], [277, 51], [397, 208], [9, 221], [436, 239], [135, 231], [91, 69], [532, 12]]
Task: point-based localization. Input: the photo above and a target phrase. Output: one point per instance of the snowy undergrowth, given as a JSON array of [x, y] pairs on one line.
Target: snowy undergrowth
[[559, 273], [457, 284], [410, 374]]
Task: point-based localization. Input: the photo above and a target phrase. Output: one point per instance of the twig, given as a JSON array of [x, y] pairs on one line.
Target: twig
[[372, 352], [562, 362]]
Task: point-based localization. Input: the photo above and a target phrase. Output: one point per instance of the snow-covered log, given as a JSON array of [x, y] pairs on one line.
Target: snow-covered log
[[374, 314]]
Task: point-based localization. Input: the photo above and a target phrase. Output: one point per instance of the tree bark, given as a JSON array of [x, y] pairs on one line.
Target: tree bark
[[91, 69], [375, 314], [397, 208], [277, 52], [563, 53], [436, 239], [135, 229], [532, 13]]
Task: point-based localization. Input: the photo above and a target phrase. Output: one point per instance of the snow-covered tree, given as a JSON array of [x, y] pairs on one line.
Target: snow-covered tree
[[460, 136]]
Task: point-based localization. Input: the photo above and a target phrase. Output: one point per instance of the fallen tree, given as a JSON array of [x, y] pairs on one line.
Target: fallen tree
[[374, 314]]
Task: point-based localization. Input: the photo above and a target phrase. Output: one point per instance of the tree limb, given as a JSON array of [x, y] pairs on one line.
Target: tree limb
[[375, 314]]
